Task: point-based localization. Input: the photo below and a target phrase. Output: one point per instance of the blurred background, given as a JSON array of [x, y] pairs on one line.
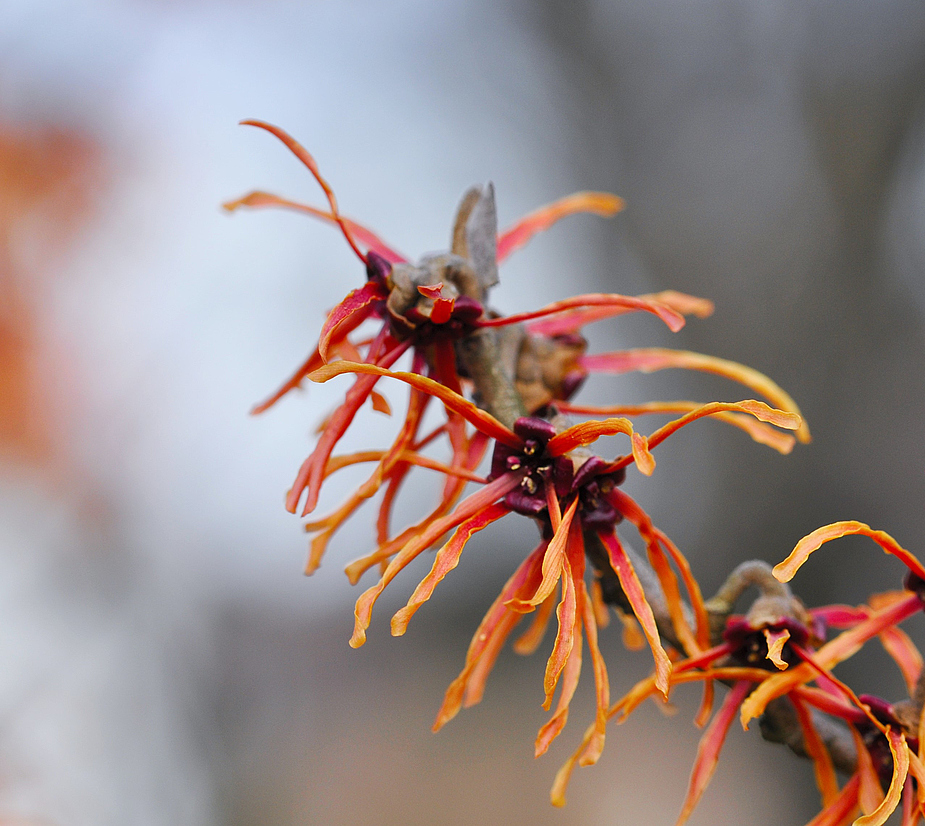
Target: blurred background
[[163, 659]]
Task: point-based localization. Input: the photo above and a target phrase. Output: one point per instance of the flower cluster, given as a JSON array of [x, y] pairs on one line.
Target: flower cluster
[[778, 653], [503, 386]]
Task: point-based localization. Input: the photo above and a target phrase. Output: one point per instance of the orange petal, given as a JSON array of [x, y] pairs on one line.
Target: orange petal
[[563, 647], [647, 360], [485, 422], [761, 411], [586, 433], [446, 560], [759, 431], [570, 669], [600, 203], [497, 622], [709, 748], [553, 564], [529, 641], [631, 510], [469, 507], [785, 570], [595, 746]]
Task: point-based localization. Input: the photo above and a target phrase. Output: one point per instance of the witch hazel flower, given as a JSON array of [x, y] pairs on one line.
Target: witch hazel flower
[[544, 472], [424, 308]]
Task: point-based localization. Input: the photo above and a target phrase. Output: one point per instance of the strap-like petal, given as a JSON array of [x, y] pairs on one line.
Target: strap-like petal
[[599, 203]]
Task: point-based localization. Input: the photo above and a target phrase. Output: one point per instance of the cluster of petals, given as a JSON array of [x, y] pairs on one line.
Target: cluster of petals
[[540, 467], [787, 656]]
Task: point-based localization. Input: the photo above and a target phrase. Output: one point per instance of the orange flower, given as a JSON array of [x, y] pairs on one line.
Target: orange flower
[[544, 474]]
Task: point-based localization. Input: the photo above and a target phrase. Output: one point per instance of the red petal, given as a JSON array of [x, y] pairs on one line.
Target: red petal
[[302, 154], [710, 746], [641, 608], [349, 314], [818, 753]]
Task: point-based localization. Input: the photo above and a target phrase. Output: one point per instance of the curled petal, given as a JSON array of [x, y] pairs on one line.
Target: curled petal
[[759, 431], [566, 660], [363, 235], [785, 570], [490, 635], [595, 746], [554, 562], [776, 641], [600, 203], [761, 411], [672, 318], [710, 746], [585, 433], [648, 360], [891, 799], [485, 422]]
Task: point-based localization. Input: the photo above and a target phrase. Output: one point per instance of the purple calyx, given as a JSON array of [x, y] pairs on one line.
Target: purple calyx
[[591, 484]]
